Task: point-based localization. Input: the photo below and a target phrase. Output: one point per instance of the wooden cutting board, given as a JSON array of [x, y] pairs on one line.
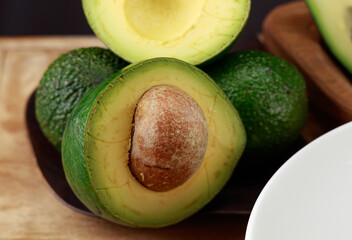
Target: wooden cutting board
[[28, 208], [289, 31]]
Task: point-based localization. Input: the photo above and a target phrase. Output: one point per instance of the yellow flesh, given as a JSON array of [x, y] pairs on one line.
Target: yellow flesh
[[109, 143], [187, 30], [348, 18], [335, 22]]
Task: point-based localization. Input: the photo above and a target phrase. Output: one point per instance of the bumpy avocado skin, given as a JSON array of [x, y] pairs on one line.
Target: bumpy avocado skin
[[270, 95], [66, 81]]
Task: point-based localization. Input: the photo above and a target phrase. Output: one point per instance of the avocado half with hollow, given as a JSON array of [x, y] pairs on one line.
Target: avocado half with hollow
[[334, 20], [152, 145], [194, 31]]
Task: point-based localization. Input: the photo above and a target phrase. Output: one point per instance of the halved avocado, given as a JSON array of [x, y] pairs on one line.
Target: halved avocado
[[194, 31], [334, 20], [97, 143]]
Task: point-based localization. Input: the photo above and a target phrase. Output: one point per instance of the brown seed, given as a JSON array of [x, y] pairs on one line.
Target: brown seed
[[169, 140]]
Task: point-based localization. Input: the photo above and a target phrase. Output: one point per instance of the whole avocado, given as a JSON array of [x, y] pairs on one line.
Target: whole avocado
[[270, 96], [66, 81]]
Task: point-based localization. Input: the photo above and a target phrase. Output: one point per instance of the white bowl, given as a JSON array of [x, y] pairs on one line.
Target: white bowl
[[310, 196]]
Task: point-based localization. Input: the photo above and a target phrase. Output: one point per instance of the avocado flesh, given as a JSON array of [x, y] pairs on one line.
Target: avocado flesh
[[193, 31], [97, 141], [334, 20]]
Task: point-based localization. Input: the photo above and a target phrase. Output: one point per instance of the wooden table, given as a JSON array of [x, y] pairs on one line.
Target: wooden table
[[28, 208]]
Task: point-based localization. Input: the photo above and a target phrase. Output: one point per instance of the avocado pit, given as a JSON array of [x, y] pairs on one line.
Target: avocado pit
[[169, 139]]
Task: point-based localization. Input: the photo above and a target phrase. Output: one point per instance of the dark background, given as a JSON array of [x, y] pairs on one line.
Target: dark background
[[66, 17]]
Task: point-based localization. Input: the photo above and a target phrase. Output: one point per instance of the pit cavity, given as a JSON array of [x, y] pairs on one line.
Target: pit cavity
[[162, 20]]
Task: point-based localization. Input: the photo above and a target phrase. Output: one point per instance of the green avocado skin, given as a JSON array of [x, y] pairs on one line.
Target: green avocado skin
[[270, 95], [74, 156], [66, 81]]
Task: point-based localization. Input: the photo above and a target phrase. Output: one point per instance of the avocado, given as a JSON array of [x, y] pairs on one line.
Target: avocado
[[193, 31], [270, 96], [137, 118], [68, 79], [334, 20]]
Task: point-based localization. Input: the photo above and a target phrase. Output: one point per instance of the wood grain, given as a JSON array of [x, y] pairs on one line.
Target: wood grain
[[28, 209]]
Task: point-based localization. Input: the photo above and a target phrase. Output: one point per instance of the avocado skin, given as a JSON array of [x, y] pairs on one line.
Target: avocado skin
[[270, 95], [66, 81], [74, 155]]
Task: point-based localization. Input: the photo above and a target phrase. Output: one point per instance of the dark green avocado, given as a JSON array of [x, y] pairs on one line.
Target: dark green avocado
[[270, 96], [66, 81]]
